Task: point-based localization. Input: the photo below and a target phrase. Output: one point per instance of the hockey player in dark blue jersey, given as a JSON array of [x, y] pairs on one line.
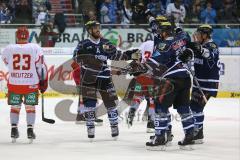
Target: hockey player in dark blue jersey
[[92, 55], [167, 52], [206, 66]]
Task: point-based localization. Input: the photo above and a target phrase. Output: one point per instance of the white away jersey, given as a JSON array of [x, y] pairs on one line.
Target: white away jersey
[[22, 61], [146, 50]]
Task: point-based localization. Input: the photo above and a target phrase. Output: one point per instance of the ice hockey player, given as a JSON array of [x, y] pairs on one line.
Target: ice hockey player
[[80, 119], [27, 75], [167, 52], [92, 54], [206, 66], [146, 50], [143, 89]]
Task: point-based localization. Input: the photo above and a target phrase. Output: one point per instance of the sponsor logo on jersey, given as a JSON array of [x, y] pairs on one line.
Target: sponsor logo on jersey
[[101, 57], [161, 46], [198, 61], [178, 44]]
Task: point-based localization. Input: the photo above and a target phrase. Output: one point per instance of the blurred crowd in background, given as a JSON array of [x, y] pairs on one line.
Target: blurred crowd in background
[[124, 11]]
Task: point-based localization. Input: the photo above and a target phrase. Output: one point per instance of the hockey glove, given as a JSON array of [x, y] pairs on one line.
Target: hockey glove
[[148, 13], [136, 68], [131, 54], [186, 55]]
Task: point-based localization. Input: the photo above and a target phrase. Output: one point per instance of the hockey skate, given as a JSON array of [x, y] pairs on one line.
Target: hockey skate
[[187, 142], [91, 133], [115, 132], [198, 137], [14, 133], [157, 143], [150, 126], [169, 138], [30, 134], [80, 119], [130, 117]]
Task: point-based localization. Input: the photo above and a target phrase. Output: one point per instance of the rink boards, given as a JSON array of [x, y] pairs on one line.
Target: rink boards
[[62, 84]]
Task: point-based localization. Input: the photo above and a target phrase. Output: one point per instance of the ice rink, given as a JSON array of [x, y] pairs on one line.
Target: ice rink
[[66, 140]]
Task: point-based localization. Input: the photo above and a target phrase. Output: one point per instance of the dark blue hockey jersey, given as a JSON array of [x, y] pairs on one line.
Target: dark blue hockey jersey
[[100, 51], [207, 68], [166, 53]]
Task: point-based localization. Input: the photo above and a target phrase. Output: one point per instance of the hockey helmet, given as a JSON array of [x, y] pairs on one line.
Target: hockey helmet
[[161, 19], [22, 33], [166, 27], [91, 24], [205, 29]]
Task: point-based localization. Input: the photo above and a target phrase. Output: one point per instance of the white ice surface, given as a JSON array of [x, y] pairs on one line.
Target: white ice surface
[[68, 141]]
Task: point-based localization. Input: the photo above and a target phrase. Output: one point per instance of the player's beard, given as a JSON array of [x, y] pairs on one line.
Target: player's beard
[[96, 35]]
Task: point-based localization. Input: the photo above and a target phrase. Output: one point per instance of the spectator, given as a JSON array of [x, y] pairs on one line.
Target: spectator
[[125, 19], [42, 16], [91, 16], [5, 16], [229, 13], [23, 12], [208, 15], [60, 22], [48, 37], [177, 11], [138, 15], [165, 3], [12, 7], [156, 7], [196, 11], [108, 12]]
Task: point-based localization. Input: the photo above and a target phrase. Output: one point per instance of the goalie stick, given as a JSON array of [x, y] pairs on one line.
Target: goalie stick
[[44, 119]]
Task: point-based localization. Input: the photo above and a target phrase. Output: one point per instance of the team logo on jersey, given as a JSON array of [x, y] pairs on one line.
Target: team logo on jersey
[[106, 47], [213, 45], [98, 51], [156, 53], [161, 46], [179, 44]]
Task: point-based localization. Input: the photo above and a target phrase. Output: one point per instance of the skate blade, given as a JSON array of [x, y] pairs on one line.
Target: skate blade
[[129, 125], [156, 148], [80, 122], [115, 138], [91, 140], [187, 147], [98, 124], [169, 144], [199, 141], [14, 140], [30, 141], [150, 130]]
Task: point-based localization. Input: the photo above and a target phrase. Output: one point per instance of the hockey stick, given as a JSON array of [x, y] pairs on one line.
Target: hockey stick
[[44, 119], [196, 81]]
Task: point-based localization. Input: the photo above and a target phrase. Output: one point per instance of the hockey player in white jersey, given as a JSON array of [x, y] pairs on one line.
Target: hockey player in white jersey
[[143, 90], [27, 75]]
